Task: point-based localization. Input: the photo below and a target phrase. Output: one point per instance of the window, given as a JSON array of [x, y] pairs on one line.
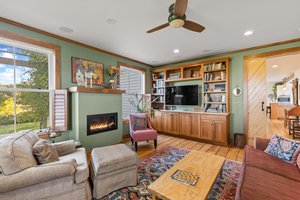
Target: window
[[133, 81], [26, 79]]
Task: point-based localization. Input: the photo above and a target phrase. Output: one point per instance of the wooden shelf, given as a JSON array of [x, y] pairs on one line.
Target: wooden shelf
[[214, 70], [95, 90], [215, 102], [158, 102], [216, 81], [214, 92]]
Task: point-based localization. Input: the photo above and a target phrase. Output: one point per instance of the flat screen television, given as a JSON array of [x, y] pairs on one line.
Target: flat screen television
[[182, 95]]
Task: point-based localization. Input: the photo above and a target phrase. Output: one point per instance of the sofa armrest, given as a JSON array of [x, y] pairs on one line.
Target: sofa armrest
[[37, 174], [261, 143], [65, 147]]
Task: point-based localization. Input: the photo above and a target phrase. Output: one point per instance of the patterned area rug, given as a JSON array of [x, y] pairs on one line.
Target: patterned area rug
[[151, 168]]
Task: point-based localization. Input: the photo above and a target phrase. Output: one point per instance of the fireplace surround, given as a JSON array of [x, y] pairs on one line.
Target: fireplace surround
[[101, 123]]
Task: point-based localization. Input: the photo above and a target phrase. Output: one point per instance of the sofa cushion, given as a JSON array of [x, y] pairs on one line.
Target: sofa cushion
[[258, 184], [44, 152], [284, 149], [267, 162], [298, 161], [139, 122], [16, 152], [111, 158]]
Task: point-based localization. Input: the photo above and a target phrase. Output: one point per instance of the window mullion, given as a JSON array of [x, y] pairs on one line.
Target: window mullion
[[14, 92]]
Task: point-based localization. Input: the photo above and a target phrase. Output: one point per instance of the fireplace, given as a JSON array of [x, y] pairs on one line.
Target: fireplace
[[101, 123]]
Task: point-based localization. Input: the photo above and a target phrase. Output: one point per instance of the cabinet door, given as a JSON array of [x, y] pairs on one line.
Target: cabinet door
[[220, 131], [157, 121], [166, 122], [185, 124], [195, 121], [175, 123], [207, 129]]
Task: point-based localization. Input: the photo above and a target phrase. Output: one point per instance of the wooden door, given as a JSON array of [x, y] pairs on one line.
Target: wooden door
[[207, 128], [157, 121], [185, 124], [256, 97], [166, 122], [195, 125], [220, 130], [175, 123]]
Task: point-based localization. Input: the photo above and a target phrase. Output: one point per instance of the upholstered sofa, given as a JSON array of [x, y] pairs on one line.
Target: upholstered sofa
[[264, 176], [23, 178]]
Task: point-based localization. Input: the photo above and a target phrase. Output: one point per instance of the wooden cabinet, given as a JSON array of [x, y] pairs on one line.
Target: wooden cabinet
[[215, 128], [208, 127], [190, 124], [156, 123], [170, 122]]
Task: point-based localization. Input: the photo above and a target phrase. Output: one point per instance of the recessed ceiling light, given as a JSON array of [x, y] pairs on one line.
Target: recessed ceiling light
[[274, 66], [111, 21], [66, 29], [247, 33], [176, 51]]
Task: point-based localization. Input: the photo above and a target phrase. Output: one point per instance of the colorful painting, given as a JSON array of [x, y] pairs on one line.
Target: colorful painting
[[87, 70]]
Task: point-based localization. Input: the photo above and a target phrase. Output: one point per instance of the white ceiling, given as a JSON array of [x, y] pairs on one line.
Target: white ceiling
[[286, 66], [225, 22]]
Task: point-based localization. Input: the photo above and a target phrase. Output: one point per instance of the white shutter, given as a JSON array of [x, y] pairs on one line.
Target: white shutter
[[132, 81], [60, 111]]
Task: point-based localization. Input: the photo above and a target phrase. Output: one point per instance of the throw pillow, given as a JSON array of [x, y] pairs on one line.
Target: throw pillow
[[139, 122], [284, 149], [44, 152]]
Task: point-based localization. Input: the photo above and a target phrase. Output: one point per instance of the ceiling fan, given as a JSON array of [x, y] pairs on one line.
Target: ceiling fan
[[177, 18]]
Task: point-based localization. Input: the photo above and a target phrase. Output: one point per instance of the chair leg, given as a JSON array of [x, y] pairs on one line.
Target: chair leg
[[135, 146], [155, 143], [131, 140]]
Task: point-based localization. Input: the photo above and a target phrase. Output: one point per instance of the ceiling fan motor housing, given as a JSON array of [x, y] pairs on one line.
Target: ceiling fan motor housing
[[176, 21]]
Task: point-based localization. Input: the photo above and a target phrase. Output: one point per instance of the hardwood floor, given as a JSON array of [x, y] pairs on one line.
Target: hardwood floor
[[277, 127], [146, 149]]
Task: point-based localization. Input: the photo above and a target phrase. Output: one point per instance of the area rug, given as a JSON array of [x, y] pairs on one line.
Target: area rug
[[151, 168]]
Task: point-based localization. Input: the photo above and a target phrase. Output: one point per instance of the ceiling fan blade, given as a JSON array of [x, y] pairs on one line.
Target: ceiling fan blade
[[158, 28], [193, 26], [180, 7]]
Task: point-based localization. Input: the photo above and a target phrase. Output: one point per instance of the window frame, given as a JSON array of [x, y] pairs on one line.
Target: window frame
[[143, 70], [53, 52]]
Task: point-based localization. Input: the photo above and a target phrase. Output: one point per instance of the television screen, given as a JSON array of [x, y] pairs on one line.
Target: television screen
[[182, 95]]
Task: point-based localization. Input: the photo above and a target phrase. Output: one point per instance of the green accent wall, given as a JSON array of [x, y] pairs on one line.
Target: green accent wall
[[84, 104], [67, 51], [237, 79]]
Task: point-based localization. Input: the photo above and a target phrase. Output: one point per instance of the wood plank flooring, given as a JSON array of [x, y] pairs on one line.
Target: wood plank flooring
[[146, 149]]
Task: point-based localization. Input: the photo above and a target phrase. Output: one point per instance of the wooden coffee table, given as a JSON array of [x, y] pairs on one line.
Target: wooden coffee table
[[205, 165]]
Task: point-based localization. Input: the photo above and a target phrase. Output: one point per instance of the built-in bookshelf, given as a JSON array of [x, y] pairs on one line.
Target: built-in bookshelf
[[158, 90], [213, 75], [216, 86]]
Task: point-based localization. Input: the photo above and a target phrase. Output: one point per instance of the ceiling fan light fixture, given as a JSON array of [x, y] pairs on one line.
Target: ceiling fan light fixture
[[176, 23], [247, 33]]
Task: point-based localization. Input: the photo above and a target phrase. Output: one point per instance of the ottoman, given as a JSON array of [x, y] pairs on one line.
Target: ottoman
[[112, 167]]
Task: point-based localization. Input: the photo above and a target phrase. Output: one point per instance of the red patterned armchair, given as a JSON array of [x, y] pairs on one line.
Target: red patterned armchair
[[141, 129]]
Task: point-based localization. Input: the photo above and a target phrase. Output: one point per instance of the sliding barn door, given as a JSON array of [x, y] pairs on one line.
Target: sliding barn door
[[257, 87]]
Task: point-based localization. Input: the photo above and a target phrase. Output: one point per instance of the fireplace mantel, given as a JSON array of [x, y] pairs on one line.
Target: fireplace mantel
[[95, 90]]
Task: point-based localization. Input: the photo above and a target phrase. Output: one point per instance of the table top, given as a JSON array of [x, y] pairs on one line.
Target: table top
[[205, 165]]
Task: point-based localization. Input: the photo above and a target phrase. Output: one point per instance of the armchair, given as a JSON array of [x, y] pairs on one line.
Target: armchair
[[66, 178], [138, 135]]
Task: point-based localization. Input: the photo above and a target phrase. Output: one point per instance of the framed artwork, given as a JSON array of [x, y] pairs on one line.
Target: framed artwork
[[86, 69]]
